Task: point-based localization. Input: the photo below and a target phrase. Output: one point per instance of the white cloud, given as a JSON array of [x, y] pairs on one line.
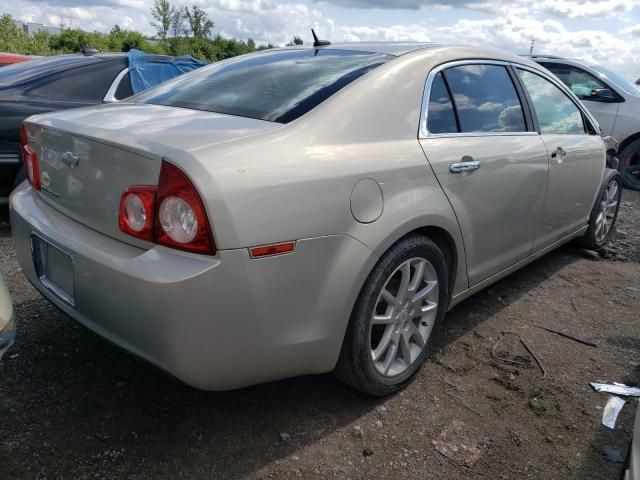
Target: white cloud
[[516, 23]]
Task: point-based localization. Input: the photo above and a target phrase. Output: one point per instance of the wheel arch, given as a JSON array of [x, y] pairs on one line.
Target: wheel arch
[[628, 140], [448, 239]]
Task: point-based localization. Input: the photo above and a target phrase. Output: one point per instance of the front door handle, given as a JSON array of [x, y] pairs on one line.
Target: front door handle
[[466, 166], [559, 152]]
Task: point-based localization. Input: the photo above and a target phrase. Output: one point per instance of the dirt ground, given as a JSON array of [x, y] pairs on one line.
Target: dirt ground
[[73, 406]]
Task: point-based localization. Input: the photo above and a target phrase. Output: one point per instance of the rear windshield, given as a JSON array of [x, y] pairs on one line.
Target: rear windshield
[[23, 71], [277, 86]]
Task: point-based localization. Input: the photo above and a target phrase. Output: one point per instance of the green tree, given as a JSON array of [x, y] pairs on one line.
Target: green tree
[[296, 40], [177, 23], [200, 25], [162, 12]]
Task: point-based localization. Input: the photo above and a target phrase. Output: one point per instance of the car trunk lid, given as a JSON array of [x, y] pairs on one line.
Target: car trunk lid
[[88, 158]]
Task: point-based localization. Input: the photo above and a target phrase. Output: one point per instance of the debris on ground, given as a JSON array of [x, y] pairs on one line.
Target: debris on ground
[[612, 455], [590, 254], [285, 437], [504, 358], [611, 411], [616, 389], [566, 335], [461, 443], [367, 452]]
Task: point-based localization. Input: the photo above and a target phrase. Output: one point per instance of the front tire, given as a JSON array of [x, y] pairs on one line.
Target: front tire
[[629, 166], [396, 318], [602, 221]]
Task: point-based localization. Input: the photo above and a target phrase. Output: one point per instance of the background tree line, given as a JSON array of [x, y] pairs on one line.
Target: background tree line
[[179, 31]]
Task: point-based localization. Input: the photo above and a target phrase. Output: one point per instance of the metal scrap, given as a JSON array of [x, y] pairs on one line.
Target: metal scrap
[[616, 389], [611, 411]]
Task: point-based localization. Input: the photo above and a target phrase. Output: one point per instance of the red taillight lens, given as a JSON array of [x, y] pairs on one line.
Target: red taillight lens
[[181, 221], [137, 208], [30, 160], [171, 214]]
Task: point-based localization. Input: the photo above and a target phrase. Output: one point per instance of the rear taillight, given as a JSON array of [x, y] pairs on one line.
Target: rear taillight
[[137, 207], [30, 160], [171, 214], [181, 221]]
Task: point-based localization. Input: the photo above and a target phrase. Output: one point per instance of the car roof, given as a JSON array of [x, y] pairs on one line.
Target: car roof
[[388, 48]]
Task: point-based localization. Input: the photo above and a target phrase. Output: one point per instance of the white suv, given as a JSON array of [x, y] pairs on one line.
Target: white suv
[[614, 101]]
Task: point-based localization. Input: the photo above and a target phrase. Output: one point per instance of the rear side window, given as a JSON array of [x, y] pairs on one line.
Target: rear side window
[[581, 83], [277, 86], [88, 83], [485, 98], [557, 114], [441, 117]]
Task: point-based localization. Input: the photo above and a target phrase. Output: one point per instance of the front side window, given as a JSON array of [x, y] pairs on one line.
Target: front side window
[[580, 82], [557, 114], [277, 86], [441, 117], [485, 98]]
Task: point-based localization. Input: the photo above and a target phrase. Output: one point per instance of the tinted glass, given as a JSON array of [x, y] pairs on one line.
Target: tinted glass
[[277, 86], [580, 82], [124, 89], [622, 82], [485, 98], [23, 71], [556, 112], [441, 117], [85, 83]]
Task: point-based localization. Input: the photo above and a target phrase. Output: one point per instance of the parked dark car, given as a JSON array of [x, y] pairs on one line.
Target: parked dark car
[[71, 81]]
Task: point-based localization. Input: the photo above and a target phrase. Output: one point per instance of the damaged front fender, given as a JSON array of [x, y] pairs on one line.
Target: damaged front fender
[[612, 146]]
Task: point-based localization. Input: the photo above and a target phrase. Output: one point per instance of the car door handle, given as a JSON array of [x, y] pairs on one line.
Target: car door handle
[[465, 166], [559, 152]]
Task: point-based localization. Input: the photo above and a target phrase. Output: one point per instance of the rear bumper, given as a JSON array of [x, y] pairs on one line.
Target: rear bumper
[[216, 323]]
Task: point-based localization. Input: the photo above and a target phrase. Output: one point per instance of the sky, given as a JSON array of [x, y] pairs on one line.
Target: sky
[[605, 32]]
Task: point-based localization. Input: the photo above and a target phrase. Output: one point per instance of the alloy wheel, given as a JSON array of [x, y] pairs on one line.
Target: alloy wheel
[[404, 316], [607, 211]]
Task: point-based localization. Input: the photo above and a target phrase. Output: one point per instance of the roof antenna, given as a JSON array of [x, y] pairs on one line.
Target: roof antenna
[[533, 44], [319, 43]]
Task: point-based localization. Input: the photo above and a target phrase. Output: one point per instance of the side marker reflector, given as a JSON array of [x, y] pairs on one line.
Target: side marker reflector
[[271, 250]]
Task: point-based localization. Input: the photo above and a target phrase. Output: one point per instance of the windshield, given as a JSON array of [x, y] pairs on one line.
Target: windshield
[[277, 86], [20, 72], [617, 79]]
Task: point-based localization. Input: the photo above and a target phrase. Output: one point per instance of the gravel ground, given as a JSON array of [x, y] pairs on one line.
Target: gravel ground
[[74, 406]]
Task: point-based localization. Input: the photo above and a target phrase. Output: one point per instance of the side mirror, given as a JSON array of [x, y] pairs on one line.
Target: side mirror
[[603, 95]]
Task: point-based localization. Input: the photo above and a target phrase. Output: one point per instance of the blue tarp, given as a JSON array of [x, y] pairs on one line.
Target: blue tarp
[[148, 70]]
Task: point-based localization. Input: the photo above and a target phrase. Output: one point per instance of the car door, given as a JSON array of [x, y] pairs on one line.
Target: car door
[[478, 137], [576, 157], [582, 84]]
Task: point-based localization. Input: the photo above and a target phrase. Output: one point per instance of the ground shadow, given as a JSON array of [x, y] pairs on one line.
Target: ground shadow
[[85, 407]]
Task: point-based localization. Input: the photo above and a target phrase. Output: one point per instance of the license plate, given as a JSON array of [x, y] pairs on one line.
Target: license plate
[[54, 269]]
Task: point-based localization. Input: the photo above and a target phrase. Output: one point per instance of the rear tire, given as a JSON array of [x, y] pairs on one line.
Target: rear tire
[[630, 164], [602, 221], [402, 303]]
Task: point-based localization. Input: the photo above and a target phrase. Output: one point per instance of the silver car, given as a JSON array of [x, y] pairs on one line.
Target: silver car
[[612, 100], [307, 210], [7, 323]]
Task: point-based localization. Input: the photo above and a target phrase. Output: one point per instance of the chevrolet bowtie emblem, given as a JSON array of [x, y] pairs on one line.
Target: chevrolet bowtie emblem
[[70, 159]]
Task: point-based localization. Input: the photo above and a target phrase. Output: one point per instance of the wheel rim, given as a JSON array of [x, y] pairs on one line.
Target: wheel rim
[[404, 316], [607, 210]]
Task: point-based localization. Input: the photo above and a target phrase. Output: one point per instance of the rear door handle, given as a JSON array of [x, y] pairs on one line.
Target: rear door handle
[[466, 166]]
